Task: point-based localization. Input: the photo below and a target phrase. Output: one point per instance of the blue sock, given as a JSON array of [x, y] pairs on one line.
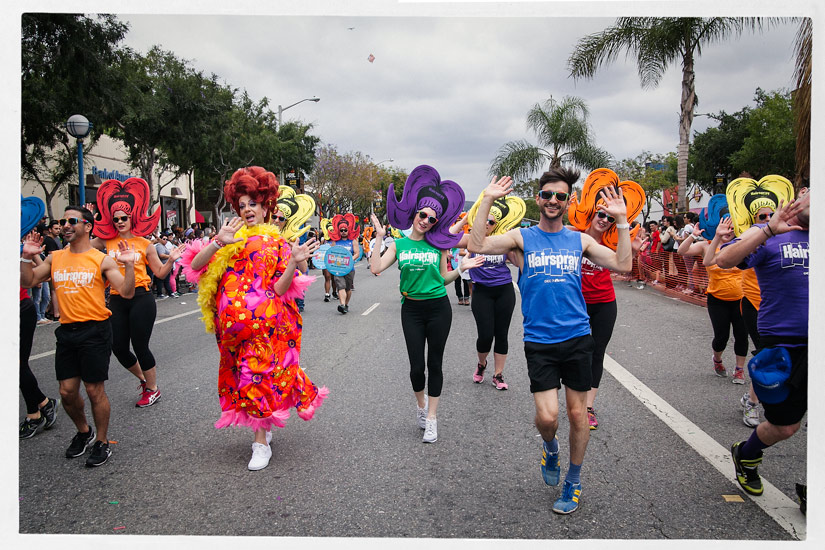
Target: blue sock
[[752, 447], [574, 473], [552, 446]]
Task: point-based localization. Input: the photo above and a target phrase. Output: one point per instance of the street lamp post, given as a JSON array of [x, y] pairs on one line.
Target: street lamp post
[[372, 203], [280, 117], [79, 127]]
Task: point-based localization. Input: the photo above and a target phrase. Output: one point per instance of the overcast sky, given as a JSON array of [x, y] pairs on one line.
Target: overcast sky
[[449, 91]]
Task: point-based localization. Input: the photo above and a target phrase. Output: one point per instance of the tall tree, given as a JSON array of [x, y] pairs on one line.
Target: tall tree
[[653, 172], [68, 66], [802, 101], [564, 137], [710, 153], [658, 43], [769, 145]]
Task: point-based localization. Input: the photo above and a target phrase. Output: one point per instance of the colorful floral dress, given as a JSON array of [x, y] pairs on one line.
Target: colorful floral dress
[[258, 332]]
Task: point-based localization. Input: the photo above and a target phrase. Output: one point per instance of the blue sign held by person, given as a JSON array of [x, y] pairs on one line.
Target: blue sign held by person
[[320, 255], [339, 261]]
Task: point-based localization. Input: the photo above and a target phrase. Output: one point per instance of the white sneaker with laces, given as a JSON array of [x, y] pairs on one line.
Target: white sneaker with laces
[[421, 414], [431, 431], [260, 456], [750, 412]]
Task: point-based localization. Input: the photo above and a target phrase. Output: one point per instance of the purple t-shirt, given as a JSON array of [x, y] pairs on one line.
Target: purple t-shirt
[[781, 266], [493, 272]]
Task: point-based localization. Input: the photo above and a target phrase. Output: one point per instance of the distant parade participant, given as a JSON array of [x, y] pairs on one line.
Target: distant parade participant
[[249, 279], [84, 337], [429, 205], [293, 211], [597, 284], [494, 298], [779, 252], [122, 216], [557, 341], [344, 232], [41, 411]]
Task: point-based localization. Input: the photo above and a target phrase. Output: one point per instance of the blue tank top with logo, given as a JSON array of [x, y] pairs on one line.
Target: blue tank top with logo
[[346, 243], [551, 289]]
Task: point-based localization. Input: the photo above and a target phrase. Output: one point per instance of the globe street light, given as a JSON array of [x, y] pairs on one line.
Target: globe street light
[[280, 117], [79, 127]]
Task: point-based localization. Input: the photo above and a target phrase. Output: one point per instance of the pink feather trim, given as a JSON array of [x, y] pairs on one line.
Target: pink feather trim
[[297, 288], [309, 412], [234, 418], [192, 249]]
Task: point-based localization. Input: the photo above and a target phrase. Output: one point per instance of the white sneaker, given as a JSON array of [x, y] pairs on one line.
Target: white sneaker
[[260, 457], [750, 413], [431, 431], [421, 414], [268, 437]]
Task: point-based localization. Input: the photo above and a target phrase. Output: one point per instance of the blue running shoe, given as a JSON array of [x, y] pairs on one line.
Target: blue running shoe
[[550, 466], [569, 500]]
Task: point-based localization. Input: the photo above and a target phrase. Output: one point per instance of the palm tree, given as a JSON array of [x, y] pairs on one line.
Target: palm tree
[[802, 101], [657, 43], [564, 136]]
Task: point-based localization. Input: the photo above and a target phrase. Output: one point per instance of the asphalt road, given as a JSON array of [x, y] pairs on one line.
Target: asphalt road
[[359, 468]]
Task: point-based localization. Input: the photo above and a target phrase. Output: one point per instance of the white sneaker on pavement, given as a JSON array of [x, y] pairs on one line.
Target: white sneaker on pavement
[[260, 456], [431, 431]]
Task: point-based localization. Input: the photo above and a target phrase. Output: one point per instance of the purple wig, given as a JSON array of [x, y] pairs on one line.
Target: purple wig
[[424, 189]]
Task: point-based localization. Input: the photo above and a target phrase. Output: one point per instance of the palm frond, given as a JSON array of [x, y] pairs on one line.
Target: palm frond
[[518, 159]]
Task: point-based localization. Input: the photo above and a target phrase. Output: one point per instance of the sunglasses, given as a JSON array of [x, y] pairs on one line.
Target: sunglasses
[[491, 222], [547, 195], [279, 218], [123, 219], [765, 216], [72, 221], [429, 218], [603, 215]]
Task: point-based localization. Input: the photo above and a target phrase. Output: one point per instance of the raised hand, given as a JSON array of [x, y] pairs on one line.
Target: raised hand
[[697, 231], [613, 204], [226, 235], [176, 252], [125, 253], [725, 228], [500, 188], [32, 245], [303, 252], [470, 263], [637, 243], [785, 217], [380, 230]]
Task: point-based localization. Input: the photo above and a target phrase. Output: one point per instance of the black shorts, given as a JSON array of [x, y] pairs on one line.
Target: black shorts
[[793, 408], [568, 362], [83, 350], [345, 282]]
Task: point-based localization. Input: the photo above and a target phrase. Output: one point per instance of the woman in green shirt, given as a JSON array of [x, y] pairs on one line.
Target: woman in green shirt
[[426, 314]]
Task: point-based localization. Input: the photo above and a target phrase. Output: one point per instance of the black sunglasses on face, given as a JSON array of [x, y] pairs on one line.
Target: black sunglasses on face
[[123, 219], [547, 195], [765, 216], [602, 215], [429, 218], [72, 221], [491, 222], [279, 218]]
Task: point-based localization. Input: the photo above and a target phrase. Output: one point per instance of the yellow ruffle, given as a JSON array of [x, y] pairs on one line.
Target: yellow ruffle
[[208, 285]]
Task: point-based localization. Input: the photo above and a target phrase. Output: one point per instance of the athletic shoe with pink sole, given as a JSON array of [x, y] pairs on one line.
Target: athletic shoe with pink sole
[[478, 375], [499, 383]]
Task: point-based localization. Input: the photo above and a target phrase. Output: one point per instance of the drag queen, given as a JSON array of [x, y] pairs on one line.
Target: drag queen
[[249, 279]]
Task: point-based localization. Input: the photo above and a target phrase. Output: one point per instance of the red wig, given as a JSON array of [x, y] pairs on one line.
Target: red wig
[[130, 196], [258, 183], [350, 221]]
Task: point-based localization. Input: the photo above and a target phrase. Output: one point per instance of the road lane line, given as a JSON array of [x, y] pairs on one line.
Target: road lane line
[[773, 502], [47, 353], [372, 307]]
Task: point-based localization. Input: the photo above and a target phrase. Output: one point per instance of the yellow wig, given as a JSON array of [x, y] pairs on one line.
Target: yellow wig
[[508, 212], [747, 196], [297, 209]]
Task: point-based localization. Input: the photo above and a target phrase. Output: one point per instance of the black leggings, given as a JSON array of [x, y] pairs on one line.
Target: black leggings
[[426, 321], [602, 320], [133, 320], [493, 308], [749, 315], [458, 285], [725, 314], [28, 383]]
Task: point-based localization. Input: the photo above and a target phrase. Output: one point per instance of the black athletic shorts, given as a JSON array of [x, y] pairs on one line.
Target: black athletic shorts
[[568, 362], [793, 408], [83, 350]]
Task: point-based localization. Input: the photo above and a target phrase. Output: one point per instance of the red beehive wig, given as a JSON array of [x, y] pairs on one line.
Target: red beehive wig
[[130, 196], [260, 184]]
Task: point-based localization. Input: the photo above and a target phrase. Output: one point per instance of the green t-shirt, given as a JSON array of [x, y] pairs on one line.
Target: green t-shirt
[[419, 263]]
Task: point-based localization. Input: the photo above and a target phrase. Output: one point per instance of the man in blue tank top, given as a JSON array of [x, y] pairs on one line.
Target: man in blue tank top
[[557, 342]]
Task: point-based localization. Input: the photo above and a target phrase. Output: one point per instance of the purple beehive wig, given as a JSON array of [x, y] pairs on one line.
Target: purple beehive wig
[[424, 189]]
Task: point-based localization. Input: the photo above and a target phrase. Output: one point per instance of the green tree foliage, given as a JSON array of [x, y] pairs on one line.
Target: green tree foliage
[[711, 150], [564, 138], [770, 146], [658, 43], [653, 172], [67, 66]]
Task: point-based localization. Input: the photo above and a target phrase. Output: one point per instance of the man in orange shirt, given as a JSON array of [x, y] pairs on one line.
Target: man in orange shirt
[[84, 338]]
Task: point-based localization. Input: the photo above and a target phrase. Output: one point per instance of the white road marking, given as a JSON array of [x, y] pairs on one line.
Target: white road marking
[[372, 307], [47, 353], [773, 502]]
